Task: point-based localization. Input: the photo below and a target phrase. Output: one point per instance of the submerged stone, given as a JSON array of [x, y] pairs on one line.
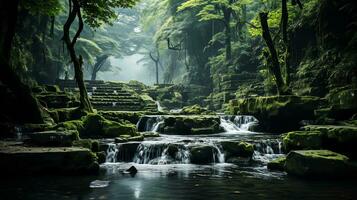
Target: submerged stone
[[317, 164], [132, 170]]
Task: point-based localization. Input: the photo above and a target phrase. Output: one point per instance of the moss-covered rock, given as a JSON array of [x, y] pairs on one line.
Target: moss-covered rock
[[277, 164], [302, 140], [193, 124], [93, 145], [234, 149], [277, 113], [18, 159], [53, 138], [317, 164], [67, 114], [341, 139], [95, 125], [202, 154], [194, 110]]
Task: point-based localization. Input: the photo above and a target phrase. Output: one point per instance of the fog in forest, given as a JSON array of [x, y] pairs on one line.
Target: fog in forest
[[128, 68]]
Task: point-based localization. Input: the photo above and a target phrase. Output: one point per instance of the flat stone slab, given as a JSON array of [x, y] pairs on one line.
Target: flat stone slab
[[15, 158]]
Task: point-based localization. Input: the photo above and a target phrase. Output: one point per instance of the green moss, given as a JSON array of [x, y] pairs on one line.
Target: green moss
[[95, 125], [277, 113], [70, 125], [317, 163], [194, 110]]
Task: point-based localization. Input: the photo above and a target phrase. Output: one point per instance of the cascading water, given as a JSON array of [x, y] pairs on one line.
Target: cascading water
[[150, 123], [266, 150], [161, 153], [112, 153], [234, 123]]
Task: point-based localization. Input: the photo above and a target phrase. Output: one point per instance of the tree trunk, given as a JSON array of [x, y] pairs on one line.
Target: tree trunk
[[98, 65], [157, 72], [284, 24], [275, 66], [30, 108], [85, 104]]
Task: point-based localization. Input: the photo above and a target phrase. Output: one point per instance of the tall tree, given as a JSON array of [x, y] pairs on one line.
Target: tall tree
[[274, 67], [95, 13]]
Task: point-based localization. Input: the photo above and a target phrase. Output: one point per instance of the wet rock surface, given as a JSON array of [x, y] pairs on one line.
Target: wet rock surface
[[19, 159]]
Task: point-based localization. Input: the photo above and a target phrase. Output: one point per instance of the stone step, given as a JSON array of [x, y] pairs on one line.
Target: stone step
[[96, 93], [99, 98], [119, 108]]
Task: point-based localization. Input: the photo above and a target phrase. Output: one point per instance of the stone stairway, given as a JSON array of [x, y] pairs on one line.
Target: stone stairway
[[112, 96]]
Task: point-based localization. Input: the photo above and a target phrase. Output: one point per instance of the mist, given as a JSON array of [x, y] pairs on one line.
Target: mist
[[128, 68]]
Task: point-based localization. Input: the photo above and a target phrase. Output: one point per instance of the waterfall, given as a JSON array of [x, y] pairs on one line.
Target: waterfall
[[266, 150], [150, 123], [231, 123], [112, 153], [218, 154], [161, 153]]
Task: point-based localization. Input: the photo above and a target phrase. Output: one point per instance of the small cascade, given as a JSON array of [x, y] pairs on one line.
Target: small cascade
[[218, 153], [266, 150], [161, 153], [18, 133], [159, 107], [231, 123], [150, 123], [112, 153]]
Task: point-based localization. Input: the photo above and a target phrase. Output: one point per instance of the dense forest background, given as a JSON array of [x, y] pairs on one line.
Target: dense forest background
[[226, 48]]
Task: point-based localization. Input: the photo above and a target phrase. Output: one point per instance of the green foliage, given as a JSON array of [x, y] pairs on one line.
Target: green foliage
[[99, 12]]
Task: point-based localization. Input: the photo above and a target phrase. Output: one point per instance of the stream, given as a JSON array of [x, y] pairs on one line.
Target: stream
[[166, 174]]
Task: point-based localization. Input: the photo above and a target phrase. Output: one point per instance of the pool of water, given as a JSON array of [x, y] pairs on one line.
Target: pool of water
[[182, 181]]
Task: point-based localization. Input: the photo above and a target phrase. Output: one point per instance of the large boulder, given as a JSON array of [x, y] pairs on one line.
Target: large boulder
[[237, 149], [18, 159], [277, 113], [318, 164]]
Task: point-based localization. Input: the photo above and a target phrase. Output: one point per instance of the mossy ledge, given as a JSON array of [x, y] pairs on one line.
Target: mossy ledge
[[277, 113]]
